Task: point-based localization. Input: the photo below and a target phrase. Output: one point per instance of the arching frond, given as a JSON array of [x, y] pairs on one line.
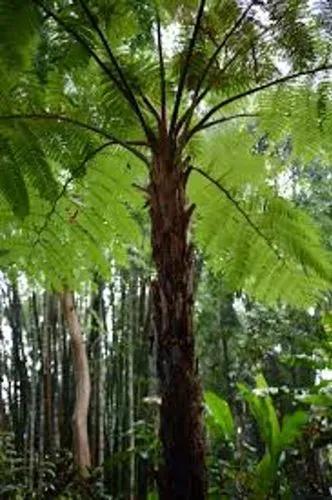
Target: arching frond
[[258, 239], [95, 213]]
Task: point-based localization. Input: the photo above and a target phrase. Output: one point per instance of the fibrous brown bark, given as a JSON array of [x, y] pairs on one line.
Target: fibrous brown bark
[[181, 428], [82, 385]]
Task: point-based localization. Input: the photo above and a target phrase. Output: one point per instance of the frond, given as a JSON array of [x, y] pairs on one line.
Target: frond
[[18, 27], [304, 115], [290, 263], [96, 219], [12, 183]]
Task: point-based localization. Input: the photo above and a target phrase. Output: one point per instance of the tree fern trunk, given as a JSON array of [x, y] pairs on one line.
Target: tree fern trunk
[[82, 386], [181, 428]]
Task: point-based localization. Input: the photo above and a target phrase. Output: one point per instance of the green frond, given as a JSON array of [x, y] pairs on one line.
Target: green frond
[[12, 183], [229, 156], [33, 164], [287, 260], [24, 162], [94, 220], [304, 114], [18, 25]]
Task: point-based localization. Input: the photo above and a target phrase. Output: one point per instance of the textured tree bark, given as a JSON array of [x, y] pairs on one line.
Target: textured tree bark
[[82, 386], [181, 427]]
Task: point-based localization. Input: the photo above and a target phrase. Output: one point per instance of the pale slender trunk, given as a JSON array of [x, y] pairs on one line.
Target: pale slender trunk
[[82, 386]]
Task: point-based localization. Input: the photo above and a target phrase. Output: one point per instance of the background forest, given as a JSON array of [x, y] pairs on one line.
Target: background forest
[[165, 249]]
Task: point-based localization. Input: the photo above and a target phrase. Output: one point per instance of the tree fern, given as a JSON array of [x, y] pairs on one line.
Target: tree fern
[[99, 74]]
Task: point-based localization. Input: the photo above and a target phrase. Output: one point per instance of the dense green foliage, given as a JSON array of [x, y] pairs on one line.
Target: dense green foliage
[[70, 138]]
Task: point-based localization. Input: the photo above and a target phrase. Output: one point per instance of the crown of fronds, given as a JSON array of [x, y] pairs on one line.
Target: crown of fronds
[[83, 87]]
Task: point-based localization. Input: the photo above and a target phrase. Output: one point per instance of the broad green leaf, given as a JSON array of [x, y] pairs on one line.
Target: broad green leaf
[[264, 477], [318, 400], [270, 422], [219, 410], [261, 406], [291, 429]]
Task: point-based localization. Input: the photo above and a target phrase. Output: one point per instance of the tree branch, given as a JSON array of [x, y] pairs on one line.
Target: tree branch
[[219, 48], [129, 145], [126, 87], [148, 103], [96, 58], [225, 119], [81, 40], [255, 90], [238, 207], [186, 118], [185, 66], [162, 72]]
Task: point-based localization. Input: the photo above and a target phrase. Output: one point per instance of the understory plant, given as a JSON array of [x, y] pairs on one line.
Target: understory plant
[[260, 479]]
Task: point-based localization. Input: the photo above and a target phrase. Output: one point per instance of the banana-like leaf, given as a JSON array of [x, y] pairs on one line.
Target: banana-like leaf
[[220, 415]]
